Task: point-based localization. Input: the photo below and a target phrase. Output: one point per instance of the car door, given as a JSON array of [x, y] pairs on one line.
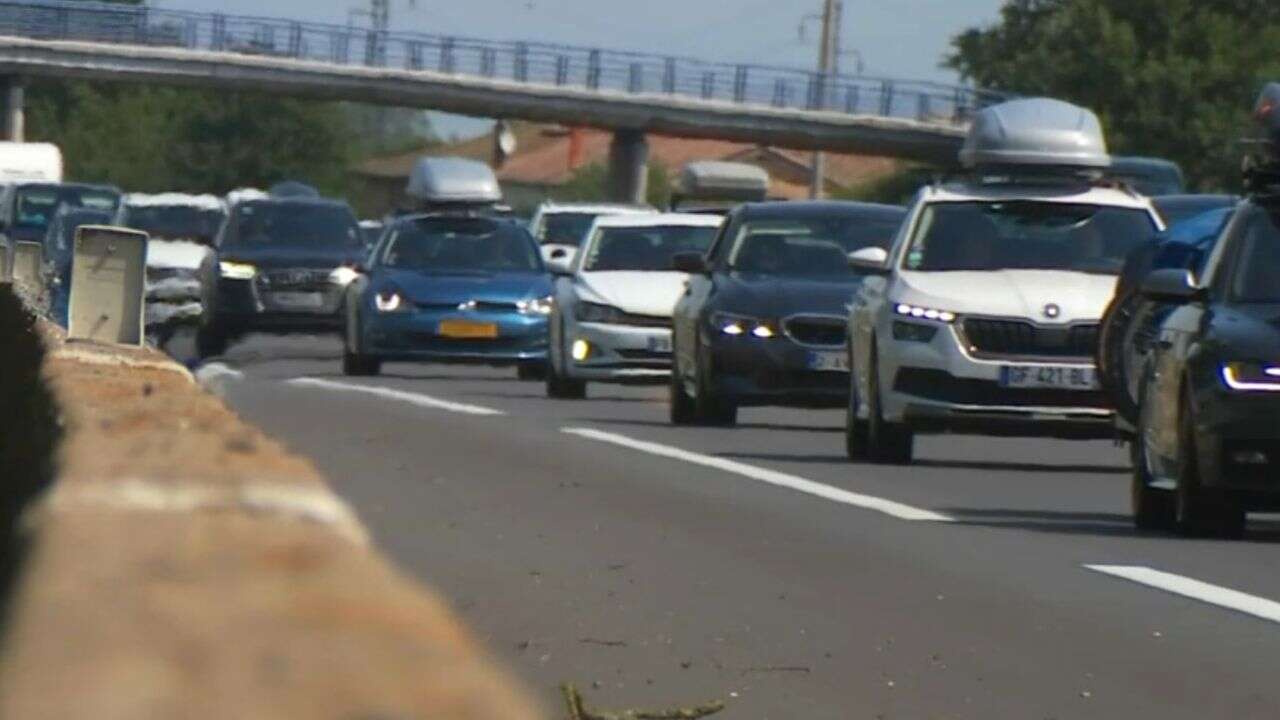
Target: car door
[[868, 306]]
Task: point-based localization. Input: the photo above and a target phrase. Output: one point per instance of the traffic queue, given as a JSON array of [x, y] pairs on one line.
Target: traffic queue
[[1034, 292]]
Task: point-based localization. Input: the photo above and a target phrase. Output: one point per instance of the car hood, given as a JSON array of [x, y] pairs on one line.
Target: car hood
[[1009, 293], [640, 293], [768, 296], [429, 288], [277, 257], [1249, 332]]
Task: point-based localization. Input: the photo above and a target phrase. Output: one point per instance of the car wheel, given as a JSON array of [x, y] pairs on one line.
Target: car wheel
[[1201, 512], [887, 443], [354, 365], [855, 429], [1153, 509], [560, 387], [532, 371], [712, 408], [679, 404]]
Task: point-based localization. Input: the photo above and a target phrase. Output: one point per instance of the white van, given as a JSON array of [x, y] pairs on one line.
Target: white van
[[30, 162]]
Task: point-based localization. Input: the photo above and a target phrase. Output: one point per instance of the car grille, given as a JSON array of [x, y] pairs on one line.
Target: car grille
[[816, 330], [296, 278], [643, 355], [647, 321], [1019, 338], [941, 386]]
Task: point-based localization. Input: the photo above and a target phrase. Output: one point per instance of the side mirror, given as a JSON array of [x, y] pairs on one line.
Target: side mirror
[[1171, 285], [560, 264], [870, 260], [690, 262]]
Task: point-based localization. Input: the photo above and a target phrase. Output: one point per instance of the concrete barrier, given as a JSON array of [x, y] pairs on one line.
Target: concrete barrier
[[182, 564]]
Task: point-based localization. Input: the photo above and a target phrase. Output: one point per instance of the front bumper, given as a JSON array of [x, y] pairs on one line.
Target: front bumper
[[245, 305], [937, 387], [415, 336], [618, 353], [774, 371], [1238, 443]]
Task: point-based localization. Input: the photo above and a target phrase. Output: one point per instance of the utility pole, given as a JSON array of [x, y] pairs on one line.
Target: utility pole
[[831, 12]]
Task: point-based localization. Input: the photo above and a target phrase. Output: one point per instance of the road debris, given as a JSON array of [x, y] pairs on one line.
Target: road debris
[[579, 711]]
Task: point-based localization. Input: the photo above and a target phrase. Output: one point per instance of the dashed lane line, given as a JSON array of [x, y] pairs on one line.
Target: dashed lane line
[[417, 399], [1259, 607], [770, 477]]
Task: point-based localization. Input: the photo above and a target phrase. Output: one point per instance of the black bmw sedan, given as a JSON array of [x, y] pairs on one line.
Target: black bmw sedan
[[1207, 447], [763, 320]]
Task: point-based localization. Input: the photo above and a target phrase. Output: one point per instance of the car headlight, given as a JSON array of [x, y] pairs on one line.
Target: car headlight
[[596, 313], [237, 271], [1251, 376], [389, 300], [741, 326], [924, 313], [343, 276], [536, 306]]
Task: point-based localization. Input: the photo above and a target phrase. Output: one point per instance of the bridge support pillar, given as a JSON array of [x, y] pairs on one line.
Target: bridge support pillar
[[629, 167], [15, 110]]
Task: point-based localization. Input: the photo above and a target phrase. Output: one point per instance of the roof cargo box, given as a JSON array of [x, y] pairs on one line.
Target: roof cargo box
[[453, 180], [1036, 132], [716, 180]]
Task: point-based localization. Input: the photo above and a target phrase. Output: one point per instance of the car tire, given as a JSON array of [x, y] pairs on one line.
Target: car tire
[[1200, 512], [711, 408], [1153, 509], [887, 443], [354, 365], [680, 406], [560, 387], [855, 429], [532, 371]]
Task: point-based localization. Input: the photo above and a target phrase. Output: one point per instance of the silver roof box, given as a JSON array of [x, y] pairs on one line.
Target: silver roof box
[[1267, 111], [717, 180], [1036, 132], [453, 180]]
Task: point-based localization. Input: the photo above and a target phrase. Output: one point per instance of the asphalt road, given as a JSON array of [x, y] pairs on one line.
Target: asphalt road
[[654, 566]]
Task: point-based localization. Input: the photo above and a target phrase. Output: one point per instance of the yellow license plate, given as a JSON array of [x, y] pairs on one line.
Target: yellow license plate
[[465, 330]]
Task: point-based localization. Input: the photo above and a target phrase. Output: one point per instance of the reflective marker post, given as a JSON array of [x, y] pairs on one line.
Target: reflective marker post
[[108, 282]]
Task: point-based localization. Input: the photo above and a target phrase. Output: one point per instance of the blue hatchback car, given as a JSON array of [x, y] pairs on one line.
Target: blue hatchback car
[[450, 288]]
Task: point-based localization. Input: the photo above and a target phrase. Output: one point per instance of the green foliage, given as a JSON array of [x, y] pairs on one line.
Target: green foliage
[[1169, 78], [590, 183], [897, 188]]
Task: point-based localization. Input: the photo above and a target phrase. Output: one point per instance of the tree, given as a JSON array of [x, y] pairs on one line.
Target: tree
[[1169, 78], [590, 183]]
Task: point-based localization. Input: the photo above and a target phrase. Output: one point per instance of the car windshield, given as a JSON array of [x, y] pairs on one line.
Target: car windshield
[[808, 247], [175, 222], [1026, 235], [645, 248], [311, 225], [36, 205], [461, 245], [1258, 266], [568, 228]]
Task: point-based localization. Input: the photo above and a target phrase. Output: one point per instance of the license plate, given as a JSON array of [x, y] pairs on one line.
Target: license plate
[[1041, 376], [660, 344], [299, 300], [466, 330], [831, 361]]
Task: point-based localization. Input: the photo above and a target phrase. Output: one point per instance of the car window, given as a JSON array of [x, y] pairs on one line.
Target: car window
[[567, 228], [644, 248], [175, 222], [808, 246], [461, 245], [1026, 235], [295, 225], [1257, 268]]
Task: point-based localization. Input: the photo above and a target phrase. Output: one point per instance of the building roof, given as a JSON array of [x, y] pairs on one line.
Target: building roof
[[550, 155]]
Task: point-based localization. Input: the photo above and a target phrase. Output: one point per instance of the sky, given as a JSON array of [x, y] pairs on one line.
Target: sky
[[896, 38]]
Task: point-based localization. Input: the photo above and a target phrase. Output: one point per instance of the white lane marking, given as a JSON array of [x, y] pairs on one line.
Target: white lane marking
[[210, 372], [417, 399], [771, 477], [1196, 590]]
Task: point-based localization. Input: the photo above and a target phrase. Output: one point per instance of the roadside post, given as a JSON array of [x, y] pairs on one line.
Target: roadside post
[[108, 271]]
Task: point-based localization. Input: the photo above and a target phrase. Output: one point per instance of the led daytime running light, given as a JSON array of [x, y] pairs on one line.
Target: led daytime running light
[[924, 313], [1232, 376]]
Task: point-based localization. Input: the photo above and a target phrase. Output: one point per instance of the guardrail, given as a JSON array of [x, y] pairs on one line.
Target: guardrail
[[538, 63]]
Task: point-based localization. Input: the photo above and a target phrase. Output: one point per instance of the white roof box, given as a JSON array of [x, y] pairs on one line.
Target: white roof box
[[453, 180], [717, 180], [1036, 132]]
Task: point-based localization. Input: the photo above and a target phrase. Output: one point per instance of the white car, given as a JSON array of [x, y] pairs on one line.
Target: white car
[[611, 320], [983, 316], [560, 229]]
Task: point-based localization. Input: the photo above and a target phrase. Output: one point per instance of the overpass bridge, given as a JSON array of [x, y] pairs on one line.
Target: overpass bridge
[[630, 93]]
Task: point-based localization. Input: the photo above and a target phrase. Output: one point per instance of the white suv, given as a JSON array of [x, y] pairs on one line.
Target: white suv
[[983, 317]]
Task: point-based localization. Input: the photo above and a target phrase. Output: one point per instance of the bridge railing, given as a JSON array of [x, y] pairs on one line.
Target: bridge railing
[[594, 69]]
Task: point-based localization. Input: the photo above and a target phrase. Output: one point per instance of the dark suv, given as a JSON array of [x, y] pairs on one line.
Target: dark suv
[[283, 266]]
